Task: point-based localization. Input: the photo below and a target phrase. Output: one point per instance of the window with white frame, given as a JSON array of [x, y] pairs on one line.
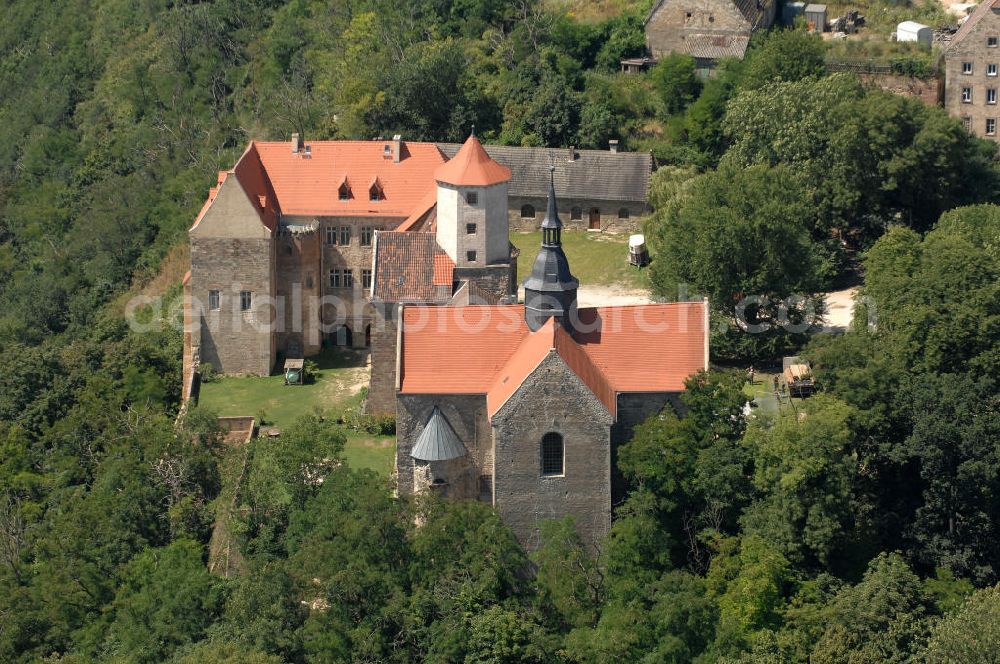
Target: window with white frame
[[992, 41], [966, 95], [246, 300], [366, 236], [348, 278], [991, 69], [213, 300], [331, 235], [967, 123], [991, 126], [345, 235], [335, 278], [366, 278], [966, 68], [991, 95]]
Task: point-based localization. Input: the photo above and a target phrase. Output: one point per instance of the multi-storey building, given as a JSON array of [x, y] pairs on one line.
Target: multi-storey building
[[971, 67]]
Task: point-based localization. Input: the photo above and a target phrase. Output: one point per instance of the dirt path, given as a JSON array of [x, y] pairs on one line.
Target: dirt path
[[839, 309], [606, 296]]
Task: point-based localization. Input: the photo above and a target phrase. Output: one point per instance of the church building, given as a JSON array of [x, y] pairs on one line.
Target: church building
[[524, 406]]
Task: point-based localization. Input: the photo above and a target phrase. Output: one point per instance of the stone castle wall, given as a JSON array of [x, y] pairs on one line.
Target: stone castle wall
[[467, 416], [231, 340], [553, 399]]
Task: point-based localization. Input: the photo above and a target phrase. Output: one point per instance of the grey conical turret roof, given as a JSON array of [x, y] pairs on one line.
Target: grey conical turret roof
[[438, 442], [552, 219]]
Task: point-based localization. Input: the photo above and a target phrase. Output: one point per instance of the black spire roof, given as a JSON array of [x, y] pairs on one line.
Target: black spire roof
[[550, 290]]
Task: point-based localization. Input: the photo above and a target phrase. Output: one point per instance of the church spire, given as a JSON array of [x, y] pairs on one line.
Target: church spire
[[550, 290], [552, 224]]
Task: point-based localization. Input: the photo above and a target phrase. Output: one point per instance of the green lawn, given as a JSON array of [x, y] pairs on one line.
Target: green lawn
[[336, 387], [596, 259]]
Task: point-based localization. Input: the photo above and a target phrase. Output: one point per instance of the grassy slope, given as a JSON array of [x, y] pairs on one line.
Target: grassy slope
[[596, 259]]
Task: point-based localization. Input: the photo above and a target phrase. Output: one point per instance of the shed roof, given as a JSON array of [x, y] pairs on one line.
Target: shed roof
[[594, 174]]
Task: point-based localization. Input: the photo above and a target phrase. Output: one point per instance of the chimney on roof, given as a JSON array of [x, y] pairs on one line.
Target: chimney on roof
[[613, 145], [572, 153], [296, 143], [397, 148]]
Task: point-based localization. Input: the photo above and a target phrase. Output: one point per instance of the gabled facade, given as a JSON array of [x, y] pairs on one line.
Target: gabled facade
[[706, 29], [971, 63]]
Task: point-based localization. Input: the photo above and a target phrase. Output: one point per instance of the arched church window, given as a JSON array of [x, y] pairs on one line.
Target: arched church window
[[552, 454], [527, 212]]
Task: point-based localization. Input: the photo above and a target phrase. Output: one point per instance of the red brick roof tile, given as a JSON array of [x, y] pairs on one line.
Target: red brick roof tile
[[309, 184], [410, 267], [471, 350]]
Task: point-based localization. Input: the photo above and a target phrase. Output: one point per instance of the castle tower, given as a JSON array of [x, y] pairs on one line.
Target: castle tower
[[550, 290], [472, 207]]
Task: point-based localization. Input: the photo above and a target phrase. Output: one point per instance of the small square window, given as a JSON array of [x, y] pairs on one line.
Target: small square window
[[366, 278], [331, 235], [991, 126], [246, 300], [966, 95], [470, 229], [991, 70], [966, 67], [992, 41], [623, 213], [213, 300], [472, 198], [470, 256], [345, 235], [576, 213]]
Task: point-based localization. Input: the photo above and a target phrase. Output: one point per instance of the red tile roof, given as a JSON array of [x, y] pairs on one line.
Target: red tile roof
[[308, 185], [472, 167], [552, 337], [489, 349], [252, 177], [410, 267]]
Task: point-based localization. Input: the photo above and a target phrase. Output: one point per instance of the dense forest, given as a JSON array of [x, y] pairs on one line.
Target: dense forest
[[862, 529]]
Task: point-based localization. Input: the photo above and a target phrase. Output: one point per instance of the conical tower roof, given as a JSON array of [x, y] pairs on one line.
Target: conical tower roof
[[438, 442], [472, 167]]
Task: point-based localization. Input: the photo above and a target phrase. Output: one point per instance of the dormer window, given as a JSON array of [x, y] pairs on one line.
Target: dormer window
[[387, 150], [344, 192], [375, 192]]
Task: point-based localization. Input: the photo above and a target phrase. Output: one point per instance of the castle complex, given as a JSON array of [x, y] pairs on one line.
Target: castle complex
[[393, 246]]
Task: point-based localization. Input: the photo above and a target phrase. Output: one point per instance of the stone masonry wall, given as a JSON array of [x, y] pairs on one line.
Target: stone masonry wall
[[973, 49], [467, 416], [298, 287], [633, 409], [675, 19], [382, 388], [553, 399], [234, 341], [610, 221]]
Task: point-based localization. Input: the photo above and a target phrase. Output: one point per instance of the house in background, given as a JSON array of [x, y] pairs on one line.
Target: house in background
[[598, 189], [971, 66], [707, 30]]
